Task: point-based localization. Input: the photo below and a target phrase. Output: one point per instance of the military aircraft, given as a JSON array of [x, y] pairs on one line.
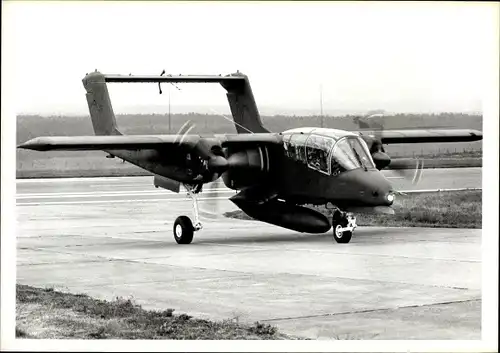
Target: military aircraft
[[275, 173]]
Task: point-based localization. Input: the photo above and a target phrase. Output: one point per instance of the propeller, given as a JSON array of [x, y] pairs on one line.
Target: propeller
[[214, 160], [210, 207], [216, 164], [408, 169]]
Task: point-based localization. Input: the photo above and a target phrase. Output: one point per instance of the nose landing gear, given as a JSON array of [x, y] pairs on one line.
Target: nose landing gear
[[183, 226], [343, 224]]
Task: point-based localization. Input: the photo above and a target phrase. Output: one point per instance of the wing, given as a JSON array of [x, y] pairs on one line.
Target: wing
[[95, 143], [143, 142], [421, 136]]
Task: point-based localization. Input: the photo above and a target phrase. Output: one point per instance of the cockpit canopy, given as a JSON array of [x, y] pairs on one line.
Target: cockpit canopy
[[329, 151]]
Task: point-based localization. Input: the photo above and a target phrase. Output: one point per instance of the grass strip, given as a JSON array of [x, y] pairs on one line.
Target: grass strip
[[444, 209], [50, 314]]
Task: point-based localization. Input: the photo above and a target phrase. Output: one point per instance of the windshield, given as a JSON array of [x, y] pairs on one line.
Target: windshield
[[348, 154]]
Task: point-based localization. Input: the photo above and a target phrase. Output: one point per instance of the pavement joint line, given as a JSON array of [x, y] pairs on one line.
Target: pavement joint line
[[177, 266], [97, 194], [198, 279], [104, 259], [61, 262], [114, 201], [378, 280], [253, 248], [139, 260], [292, 274], [369, 310], [356, 254]]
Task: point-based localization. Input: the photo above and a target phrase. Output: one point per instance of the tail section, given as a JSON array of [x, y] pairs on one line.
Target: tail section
[[243, 107], [99, 102], [239, 94]]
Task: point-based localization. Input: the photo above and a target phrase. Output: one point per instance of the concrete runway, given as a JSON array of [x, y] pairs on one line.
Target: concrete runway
[[112, 237]]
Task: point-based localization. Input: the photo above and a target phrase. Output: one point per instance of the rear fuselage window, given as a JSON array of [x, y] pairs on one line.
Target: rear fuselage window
[[317, 150], [295, 147]]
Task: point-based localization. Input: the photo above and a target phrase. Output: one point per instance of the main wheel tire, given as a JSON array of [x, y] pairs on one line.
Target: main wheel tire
[[341, 237], [183, 230]]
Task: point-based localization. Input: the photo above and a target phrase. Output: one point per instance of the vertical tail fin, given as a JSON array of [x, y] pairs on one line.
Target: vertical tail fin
[[99, 102], [243, 107]]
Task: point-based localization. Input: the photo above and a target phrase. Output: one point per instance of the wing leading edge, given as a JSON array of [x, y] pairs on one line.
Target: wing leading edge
[[140, 142], [424, 136]]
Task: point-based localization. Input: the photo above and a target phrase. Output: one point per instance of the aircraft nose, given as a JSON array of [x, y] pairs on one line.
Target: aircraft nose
[[371, 187], [376, 189]]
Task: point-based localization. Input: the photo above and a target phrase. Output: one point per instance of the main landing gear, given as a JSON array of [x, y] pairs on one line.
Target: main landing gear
[[183, 226], [343, 224]]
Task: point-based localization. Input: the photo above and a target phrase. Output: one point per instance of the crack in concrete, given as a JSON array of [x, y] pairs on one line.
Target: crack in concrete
[[368, 310]]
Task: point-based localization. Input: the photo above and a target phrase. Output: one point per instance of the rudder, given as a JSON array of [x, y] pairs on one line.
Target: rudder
[[243, 107], [99, 102]]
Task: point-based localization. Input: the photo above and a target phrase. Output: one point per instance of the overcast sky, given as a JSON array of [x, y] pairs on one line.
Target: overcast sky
[[398, 57]]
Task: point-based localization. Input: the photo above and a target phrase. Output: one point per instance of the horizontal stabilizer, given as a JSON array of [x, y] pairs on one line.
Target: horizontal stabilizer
[[174, 79], [239, 93]]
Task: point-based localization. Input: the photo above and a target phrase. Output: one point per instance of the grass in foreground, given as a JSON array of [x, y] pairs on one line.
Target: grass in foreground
[[445, 209], [49, 314]]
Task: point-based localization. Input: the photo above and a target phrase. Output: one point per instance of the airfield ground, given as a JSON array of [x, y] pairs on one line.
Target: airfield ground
[[111, 237]]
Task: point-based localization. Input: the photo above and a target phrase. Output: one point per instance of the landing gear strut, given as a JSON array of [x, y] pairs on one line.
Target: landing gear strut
[[183, 226], [343, 224]]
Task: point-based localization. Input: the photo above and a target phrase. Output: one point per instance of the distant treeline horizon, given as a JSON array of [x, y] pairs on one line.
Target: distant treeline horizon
[[31, 126], [347, 115]]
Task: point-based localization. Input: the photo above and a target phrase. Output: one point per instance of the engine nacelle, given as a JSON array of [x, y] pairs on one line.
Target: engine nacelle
[[298, 218], [166, 183], [380, 158], [248, 167]]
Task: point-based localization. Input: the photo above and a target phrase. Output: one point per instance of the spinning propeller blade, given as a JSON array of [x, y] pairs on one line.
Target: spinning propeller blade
[[410, 170], [209, 205], [183, 131]]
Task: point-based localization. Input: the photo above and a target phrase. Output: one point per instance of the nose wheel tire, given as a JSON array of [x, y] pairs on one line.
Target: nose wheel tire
[[343, 225], [183, 230], [342, 237]]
